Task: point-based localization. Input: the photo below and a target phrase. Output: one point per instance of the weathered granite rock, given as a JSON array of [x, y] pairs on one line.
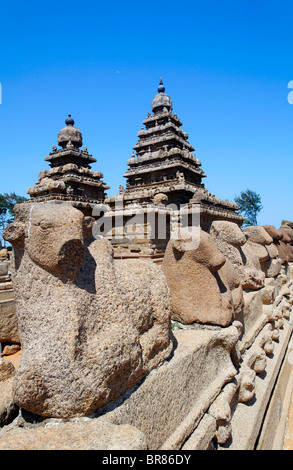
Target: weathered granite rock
[[263, 249], [289, 223], [257, 234], [273, 265], [3, 269], [268, 294], [220, 410], [8, 322], [254, 317], [160, 412], [198, 293], [229, 280], [8, 409], [72, 298], [287, 232], [282, 239], [82, 434], [170, 402], [274, 233], [201, 438], [231, 241], [7, 370], [246, 384]]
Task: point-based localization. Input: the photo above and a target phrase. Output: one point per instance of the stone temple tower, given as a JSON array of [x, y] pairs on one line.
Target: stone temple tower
[[165, 167], [164, 178], [70, 177]]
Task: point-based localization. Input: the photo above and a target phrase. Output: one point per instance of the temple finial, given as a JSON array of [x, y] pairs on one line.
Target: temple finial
[[69, 121], [161, 88]]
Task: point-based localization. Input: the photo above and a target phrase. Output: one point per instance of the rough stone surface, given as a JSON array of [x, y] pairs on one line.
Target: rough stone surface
[[83, 434], [257, 234], [231, 241], [8, 409], [171, 400], [247, 418], [160, 412], [3, 268], [287, 239], [72, 297], [201, 438], [198, 293], [8, 322], [263, 249], [254, 317], [7, 370], [282, 239]]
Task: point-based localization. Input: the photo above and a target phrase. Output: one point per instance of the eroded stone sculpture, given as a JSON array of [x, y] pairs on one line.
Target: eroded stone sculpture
[[281, 240], [232, 242], [200, 290], [287, 238], [265, 253], [90, 327]]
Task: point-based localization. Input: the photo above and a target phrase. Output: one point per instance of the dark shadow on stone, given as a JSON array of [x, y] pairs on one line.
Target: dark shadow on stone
[[262, 375], [85, 278], [177, 254], [18, 254], [243, 257], [220, 283]]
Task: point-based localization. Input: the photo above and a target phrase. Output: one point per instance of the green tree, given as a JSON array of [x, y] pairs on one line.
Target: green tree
[[7, 203], [250, 205]]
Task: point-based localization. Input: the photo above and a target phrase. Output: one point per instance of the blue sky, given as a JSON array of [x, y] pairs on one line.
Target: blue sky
[[226, 66]]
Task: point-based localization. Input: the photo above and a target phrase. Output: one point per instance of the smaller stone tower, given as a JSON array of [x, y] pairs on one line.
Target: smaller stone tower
[[70, 177]]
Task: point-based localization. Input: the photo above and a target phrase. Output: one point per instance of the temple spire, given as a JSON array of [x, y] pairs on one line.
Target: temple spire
[[161, 88], [70, 177], [165, 163], [161, 102], [69, 121]]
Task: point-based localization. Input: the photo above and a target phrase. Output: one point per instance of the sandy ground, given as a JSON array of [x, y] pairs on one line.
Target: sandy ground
[[14, 358]]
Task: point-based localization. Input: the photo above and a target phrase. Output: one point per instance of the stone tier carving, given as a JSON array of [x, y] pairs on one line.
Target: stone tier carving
[[70, 175]]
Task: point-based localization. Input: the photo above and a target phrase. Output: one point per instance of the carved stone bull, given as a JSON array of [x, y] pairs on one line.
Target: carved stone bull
[[90, 327], [200, 283]]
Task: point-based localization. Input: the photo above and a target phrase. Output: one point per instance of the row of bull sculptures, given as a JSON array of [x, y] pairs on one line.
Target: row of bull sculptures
[[92, 326]]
